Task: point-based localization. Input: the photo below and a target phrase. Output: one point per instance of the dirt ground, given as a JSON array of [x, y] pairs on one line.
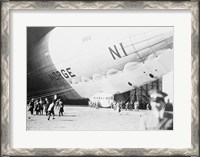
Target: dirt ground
[[83, 118]]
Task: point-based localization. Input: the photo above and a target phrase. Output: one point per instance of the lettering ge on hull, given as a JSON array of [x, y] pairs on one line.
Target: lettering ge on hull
[[62, 74]]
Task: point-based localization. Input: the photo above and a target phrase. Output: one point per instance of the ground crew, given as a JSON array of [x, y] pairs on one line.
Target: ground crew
[[136, 105], [31, 106], [51, 109]]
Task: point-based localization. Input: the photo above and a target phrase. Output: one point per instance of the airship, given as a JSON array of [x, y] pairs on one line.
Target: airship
[[83, 62]]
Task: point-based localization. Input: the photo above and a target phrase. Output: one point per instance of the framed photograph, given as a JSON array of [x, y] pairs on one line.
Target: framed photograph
[[99, 78]]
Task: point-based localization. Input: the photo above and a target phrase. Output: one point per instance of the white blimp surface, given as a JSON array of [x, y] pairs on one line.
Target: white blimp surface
[[104, 59]]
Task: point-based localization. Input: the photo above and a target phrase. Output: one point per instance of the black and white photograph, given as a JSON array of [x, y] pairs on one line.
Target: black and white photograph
[[84, 78]]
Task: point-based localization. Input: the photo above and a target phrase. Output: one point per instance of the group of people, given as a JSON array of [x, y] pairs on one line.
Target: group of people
[[118, 105], [40, 106], [156, 119], [94, 104]]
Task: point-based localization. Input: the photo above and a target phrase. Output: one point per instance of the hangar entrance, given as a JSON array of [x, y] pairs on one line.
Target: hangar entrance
[[139, 94]]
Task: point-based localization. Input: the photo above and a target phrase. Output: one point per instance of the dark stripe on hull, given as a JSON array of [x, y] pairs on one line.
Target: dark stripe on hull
[[39, 65]]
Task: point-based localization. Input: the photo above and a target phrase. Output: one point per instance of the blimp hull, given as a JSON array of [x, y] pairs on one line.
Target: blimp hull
[[39, 66], [78, 62]]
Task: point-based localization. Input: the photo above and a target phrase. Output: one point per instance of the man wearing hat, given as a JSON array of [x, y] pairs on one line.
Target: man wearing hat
[[157, 118]]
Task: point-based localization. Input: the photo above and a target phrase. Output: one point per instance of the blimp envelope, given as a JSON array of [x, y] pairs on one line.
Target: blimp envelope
[[105, 59]]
